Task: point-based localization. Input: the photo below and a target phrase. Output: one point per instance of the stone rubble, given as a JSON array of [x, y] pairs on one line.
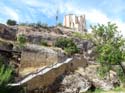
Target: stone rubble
[[74, 83]]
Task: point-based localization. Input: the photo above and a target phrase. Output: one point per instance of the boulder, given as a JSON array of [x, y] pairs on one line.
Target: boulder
[[106, 83], [75, 83]]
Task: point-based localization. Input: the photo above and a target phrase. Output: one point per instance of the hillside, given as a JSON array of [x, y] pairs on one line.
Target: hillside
[[52, 59]]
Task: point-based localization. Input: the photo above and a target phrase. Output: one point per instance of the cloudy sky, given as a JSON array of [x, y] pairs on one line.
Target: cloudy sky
[[96, 11]]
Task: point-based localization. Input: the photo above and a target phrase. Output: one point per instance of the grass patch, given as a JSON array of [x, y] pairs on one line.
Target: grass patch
[[119, 89], [98, 90], [115, 90]]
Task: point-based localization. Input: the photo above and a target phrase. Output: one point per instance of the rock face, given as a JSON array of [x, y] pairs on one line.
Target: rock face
[[49, 34], [6, 46], [86, 79], [4, 55], [83, 44], [7, 32], [74, 83], [34, 56], [91, 73]]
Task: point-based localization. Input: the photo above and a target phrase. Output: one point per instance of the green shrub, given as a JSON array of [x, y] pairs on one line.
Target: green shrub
[[71, 50], [21, 39], [59, 24], [78, 35], [22, 24], [44, 43], [11, 22], [67, 44], [39, 24]]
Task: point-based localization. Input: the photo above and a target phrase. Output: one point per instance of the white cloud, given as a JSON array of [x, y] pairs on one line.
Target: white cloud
[[13, 14], [121, 26], [9, 13], [95, 16]]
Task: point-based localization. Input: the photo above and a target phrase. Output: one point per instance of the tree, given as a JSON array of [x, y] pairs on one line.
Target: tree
[[109, 47], [11, 22]]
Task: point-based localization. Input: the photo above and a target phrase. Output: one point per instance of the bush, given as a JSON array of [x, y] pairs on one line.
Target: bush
[[71, 50], [21, 39], [44, 25], [44, 43], [11, 22], [67, 44], [23, 24], [59, 24]]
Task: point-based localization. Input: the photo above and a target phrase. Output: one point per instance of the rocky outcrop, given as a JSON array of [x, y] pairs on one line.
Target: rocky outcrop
[[86, 79], [48, 34], [6, 46], [83, 45], [91, 73], [8, 33], [74, 83], [34, 56]]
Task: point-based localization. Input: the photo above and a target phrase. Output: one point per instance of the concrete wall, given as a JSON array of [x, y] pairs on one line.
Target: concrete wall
[[49, 78]]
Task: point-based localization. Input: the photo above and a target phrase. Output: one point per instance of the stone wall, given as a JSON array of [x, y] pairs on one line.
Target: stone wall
[[42, 81]]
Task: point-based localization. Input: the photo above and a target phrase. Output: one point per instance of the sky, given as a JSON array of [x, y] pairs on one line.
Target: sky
[[96, 11]]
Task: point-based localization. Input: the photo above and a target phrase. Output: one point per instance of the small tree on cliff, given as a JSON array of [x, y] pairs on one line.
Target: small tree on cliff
[[11, 22], [110, 48]]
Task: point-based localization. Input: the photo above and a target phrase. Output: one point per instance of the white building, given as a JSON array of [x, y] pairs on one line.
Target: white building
[[77, 23]]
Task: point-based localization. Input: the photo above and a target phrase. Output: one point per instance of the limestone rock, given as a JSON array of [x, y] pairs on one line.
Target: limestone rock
[[91, 73], [75, 83], [7, 32]]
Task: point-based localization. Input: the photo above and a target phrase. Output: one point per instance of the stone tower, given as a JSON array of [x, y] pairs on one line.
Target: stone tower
[[78, 23]]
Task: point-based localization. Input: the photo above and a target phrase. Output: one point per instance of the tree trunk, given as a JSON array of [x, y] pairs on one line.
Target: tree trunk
[[122, 67]]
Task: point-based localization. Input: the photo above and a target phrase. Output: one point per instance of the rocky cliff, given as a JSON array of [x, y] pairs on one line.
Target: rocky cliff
[[8, 33]]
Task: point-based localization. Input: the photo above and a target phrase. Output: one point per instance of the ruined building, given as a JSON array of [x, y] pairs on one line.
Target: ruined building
[[78, 23]]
